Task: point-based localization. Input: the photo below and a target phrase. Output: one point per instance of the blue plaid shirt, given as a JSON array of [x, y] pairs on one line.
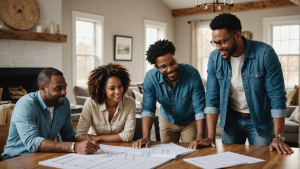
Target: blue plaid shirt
[[31, 123], [180, 105]]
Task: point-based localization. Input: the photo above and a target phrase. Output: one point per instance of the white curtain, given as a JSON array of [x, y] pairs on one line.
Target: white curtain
[[196, 43]]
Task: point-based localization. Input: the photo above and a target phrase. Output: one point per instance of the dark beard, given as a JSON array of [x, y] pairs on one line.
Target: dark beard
[[230, 52], [166, 76], [234, 47], [52, 100]]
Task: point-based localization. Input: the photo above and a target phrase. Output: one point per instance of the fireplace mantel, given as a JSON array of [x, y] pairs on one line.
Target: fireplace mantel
[[32, 36]]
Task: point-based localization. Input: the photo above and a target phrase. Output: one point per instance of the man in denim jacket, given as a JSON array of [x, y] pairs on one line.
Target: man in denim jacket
[[179, 89], [41, 116], [245, 86]]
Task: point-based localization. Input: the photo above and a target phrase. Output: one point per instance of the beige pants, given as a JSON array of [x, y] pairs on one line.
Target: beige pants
[[172, 132]]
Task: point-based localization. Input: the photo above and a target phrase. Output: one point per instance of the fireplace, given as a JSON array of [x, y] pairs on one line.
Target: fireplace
[[13, 77]]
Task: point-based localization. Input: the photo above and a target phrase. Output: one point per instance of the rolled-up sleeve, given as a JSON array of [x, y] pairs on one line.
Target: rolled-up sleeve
[[198, 97], [212, 95], [85, 119], [25, 120], [67, 129], [149, 99], [274, 84], [129, 127]]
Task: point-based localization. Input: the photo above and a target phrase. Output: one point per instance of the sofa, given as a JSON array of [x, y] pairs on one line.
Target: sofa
[[291, 128]]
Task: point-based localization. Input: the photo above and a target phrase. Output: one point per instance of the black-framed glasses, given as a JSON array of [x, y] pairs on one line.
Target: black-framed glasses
[[221, 42], [165, 67]]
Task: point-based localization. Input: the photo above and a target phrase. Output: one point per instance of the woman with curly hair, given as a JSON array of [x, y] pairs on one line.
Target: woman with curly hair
[[108, 115]]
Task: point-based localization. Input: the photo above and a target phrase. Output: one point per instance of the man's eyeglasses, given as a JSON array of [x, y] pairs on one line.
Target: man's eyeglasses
[[163, 68], [221, 42]]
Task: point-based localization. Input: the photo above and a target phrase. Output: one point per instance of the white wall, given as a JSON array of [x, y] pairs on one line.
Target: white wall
[[251, 21], [121, 18], [21, 53]]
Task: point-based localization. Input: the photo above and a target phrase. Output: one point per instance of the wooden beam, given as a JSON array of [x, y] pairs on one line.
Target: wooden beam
[[295, 2], [240, 7], [32, 36]]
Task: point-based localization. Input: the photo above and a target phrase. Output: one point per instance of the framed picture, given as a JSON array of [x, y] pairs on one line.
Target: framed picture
[[246, 34], [123, 48]]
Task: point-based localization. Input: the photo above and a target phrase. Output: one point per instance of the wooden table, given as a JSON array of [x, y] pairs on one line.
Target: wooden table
[[273, 159]]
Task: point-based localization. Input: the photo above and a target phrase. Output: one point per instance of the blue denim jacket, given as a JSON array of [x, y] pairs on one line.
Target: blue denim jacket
[[179, 106], [31, 123], [262, 80]]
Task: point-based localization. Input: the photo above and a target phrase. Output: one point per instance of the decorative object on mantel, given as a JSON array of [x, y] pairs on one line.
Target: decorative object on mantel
[[20, 14], [24, 35], [123, 48], [39, 29], [216, 5], [45, 30], [52, 27], [58, 29], [247, 34]]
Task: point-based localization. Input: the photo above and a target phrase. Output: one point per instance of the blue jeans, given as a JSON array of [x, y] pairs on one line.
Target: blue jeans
[[238, 128]]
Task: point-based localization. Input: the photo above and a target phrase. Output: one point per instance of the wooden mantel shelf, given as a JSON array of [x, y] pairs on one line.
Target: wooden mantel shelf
[[33, 36]]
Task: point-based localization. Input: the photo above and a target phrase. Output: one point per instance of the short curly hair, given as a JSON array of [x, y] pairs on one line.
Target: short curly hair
[[99, 76], [228, 21], [159, 48]]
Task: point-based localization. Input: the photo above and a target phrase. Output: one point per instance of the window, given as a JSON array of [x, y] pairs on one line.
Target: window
[[285, 41], [206, 47], [87, 45], [153, 32], [283, 35], [85, 50]]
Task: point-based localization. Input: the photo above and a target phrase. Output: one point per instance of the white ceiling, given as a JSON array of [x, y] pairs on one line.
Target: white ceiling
[[178, 4]]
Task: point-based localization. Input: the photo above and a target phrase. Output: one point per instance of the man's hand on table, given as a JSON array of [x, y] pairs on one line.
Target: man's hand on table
[[280, 146], [201, 143], [140, 142], [86, 147]]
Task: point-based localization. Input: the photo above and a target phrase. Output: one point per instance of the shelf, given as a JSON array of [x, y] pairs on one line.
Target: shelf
[[32, 36]]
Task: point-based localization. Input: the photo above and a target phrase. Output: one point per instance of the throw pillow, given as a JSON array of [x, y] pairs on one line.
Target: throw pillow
[[138, 106], [295, 98], [138, 96], [289, 96], [295, 115]]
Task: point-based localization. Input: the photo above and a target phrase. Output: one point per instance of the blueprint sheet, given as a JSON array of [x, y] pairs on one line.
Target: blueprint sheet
[[222, 160], [116, 157]]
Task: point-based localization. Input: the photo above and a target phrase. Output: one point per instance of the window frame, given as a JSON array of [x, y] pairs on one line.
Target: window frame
[[98, 20], [204, 24], [162, 34], [270, 22]]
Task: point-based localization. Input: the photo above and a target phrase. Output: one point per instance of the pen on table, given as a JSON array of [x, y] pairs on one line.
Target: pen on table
[[91, 139]]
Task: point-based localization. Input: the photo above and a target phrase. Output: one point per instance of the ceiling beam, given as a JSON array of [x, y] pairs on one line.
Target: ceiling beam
[[240, 7], [295, 2]]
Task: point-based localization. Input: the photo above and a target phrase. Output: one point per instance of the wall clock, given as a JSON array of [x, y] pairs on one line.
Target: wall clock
[[19, 14]]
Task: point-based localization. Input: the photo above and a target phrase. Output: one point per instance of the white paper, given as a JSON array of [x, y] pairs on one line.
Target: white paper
[[115, 157], [222, 160]]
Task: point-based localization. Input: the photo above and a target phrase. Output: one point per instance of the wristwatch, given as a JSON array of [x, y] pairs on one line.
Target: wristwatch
[[280, 136]]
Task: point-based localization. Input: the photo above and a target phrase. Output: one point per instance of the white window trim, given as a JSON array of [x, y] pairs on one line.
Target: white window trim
[[99, 38], [162, 34], [203, 23], [267, 22], [267, 25]]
